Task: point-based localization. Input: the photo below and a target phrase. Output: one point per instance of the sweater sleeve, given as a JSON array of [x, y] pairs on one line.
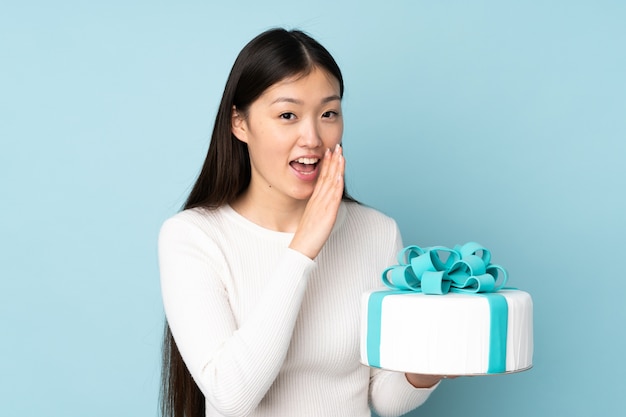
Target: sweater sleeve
[[391, 394], [234, 364]]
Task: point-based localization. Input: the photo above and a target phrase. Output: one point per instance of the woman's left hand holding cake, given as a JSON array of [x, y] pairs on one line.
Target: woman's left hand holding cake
[[423, 380]]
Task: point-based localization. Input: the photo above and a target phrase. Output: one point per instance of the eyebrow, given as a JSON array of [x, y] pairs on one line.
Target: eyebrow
[[300, 102]]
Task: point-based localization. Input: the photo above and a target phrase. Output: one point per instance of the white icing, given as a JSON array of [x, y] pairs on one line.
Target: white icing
[[448, 334]]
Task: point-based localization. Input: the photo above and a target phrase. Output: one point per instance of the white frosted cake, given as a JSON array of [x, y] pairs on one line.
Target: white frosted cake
[[448, 333]]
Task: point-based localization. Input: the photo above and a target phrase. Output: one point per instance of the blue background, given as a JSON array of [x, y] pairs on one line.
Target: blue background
[[495, 121]]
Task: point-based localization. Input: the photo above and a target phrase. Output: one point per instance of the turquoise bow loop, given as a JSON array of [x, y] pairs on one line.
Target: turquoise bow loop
[[438, 270]]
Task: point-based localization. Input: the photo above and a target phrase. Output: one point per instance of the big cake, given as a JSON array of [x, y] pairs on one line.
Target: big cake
[[447, 312]]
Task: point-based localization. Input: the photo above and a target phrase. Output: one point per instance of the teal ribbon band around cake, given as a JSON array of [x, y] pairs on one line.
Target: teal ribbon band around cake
[[439, 270]]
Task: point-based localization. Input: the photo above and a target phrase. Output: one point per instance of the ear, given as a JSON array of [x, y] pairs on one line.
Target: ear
[[239, 126]]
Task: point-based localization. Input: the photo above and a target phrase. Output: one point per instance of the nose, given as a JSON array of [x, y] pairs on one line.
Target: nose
[[310, 135]]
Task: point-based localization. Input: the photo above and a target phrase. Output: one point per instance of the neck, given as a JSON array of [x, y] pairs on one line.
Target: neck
[[281, 215]]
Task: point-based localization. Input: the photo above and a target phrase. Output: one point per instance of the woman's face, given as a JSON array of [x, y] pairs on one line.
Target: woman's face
[[287, 130]]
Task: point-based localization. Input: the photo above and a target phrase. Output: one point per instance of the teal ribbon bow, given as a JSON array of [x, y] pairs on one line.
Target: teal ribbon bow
[[465, 269], [439, 270]]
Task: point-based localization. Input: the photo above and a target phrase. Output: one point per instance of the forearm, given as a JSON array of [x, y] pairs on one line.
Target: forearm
[[234, 361], [392, 395], [237, 375]]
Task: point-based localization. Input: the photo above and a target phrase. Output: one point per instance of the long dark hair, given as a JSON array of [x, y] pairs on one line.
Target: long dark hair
[[267, 59]]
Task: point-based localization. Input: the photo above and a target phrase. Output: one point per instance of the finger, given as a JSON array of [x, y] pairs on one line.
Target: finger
[[327, 167], [331, 180], [336, 165], [331, 172], [342, 163], [340, 159]]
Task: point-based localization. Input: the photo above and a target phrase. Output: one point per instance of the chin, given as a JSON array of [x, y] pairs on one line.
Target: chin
[[302, 195]]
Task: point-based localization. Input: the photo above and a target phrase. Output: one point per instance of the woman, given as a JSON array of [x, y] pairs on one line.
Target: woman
[[263, 271]]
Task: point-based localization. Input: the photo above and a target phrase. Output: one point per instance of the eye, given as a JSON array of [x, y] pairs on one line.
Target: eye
[[329, 114], [287, 116]]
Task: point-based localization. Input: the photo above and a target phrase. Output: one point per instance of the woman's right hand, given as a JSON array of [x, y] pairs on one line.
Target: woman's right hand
[[321, 210]]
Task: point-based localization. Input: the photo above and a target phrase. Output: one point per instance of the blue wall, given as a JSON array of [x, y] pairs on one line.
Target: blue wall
[[495, 121]]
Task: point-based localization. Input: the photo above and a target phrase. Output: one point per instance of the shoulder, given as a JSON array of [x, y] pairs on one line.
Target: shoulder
[[196, 215], [193, 223], [368, 240], [366, 224], [196, 233], [364, 216]]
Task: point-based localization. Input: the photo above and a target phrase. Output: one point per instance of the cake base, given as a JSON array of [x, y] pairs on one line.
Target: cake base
[[453, 334], [516, 371]]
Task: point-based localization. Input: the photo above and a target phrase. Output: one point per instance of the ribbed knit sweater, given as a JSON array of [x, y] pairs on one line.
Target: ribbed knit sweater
[[266, 331]]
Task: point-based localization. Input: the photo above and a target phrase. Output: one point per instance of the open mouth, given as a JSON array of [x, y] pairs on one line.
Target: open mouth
[[305, 165]]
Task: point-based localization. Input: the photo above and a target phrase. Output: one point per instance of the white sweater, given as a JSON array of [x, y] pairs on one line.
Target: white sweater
[[266, 331]]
